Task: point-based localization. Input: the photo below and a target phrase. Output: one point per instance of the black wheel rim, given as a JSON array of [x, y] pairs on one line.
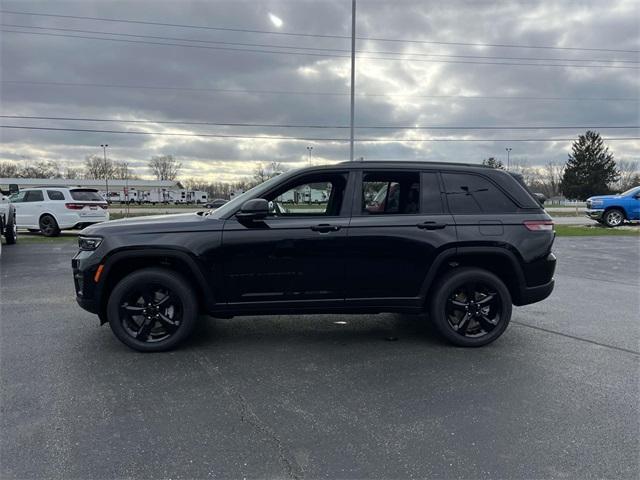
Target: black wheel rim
[[474, 309], [151, 314], [46, 225]]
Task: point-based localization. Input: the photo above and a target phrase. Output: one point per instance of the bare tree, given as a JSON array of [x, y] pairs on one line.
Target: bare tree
[[264, 172], [9, 170], [629, 174], [164, 167], [96, 168], [41, 169]]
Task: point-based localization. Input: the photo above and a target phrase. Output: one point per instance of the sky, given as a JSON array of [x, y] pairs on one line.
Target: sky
[[411, 71]]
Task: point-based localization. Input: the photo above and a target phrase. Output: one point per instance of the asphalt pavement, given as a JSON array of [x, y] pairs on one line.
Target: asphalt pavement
[[364, 396]]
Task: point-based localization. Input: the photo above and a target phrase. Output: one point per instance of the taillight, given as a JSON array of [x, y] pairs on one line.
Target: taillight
[[539, 225], [74, 206], [104, 206]]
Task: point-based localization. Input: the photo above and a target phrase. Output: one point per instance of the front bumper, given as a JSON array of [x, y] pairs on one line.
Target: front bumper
[[594, 214], [84, 267]]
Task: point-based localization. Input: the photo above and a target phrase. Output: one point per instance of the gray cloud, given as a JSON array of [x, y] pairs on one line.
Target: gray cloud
[[58, 59]]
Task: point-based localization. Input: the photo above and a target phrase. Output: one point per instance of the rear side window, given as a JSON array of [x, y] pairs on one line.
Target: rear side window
[[86, 196], [55, 195], [390, 193], [469, 194], [34, 196]]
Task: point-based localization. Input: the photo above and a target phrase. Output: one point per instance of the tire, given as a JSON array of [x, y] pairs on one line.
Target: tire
[[11, 229], [134, 320], [613, 218], [483, 319], [48, 226]]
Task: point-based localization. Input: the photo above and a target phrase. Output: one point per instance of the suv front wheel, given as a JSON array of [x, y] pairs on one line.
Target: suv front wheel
[[471, 307], [152, 310]]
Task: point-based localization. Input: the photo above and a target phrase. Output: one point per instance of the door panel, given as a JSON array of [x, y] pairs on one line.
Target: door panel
[[390, 251], [284, 259], [390, 255]]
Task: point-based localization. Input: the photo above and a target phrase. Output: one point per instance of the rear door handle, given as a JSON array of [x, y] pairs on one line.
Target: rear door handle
[[431, 226], [325, 228]]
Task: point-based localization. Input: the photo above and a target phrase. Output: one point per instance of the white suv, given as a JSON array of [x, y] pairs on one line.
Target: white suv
[[52, 209]]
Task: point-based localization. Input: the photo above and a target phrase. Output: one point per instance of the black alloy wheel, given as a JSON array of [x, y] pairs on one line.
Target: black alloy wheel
[[151, 314], [152, 309], [470, 307], [473, 309], [49, 226]]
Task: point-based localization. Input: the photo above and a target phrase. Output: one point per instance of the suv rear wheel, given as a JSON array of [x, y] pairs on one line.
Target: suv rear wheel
[[471, 307], [152, 310], [48, 226]]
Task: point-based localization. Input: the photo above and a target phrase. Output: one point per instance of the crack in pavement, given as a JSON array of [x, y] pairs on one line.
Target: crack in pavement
[[247, 415], [567, 335]]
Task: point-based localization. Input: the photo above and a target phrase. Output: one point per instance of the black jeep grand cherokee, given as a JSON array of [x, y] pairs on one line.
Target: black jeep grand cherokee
[[461, 242]]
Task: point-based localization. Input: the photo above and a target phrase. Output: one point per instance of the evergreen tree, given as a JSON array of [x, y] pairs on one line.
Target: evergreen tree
[[590, 169]]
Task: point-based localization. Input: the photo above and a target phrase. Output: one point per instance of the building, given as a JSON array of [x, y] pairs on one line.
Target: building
[[119, 190]]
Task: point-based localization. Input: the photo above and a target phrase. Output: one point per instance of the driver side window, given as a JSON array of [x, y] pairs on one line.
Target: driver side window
[[316, 195]]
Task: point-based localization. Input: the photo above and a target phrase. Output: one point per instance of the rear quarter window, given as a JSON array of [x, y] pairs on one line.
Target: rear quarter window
[[86, 196], [55, 195], [473, 194]]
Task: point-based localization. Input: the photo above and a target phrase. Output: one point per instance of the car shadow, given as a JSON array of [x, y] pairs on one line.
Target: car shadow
[[318, 329]]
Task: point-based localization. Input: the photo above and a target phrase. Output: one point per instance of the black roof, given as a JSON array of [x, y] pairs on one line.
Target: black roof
[[409, 163]]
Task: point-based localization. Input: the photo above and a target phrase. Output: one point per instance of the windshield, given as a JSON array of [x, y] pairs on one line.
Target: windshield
[[631, 191], [254, 192]]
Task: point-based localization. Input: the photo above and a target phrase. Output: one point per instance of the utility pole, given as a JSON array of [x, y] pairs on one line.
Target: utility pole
[[508, 149], [309, 149], [106, 169], [126, 186], [353, 73]]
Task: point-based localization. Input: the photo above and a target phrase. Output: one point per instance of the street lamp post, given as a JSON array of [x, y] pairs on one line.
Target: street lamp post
[[106, 169], [309, 149], [508, 149]]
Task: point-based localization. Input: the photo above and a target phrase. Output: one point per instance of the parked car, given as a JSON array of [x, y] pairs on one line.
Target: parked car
[[51, 209], [613, 210], [217, 203], [476, 243], [8, 227]]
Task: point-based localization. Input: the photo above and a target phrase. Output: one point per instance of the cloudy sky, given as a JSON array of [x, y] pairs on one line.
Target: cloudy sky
[[410, 71]]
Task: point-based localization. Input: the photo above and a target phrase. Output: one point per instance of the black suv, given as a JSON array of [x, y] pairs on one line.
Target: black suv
[[460, 242]]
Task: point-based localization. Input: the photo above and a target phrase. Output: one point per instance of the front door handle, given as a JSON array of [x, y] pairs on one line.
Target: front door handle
[[431, 226], [325, 228]]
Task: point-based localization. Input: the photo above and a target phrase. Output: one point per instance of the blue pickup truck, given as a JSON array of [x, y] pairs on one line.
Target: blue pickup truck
[[613, 210]]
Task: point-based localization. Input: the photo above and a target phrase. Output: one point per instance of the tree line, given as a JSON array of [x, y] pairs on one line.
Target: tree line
[[589, 170], [95, 167]]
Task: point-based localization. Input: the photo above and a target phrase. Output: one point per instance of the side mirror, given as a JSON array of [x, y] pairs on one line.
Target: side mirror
[[254, 209], [13, 189]]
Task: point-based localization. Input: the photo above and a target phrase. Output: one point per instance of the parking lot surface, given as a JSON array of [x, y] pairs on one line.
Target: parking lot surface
[[305, 397]]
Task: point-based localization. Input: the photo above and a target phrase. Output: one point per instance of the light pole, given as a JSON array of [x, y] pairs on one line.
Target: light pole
[[106, 169], [508, 149], [309, 149], [126, 186], [353, 74]]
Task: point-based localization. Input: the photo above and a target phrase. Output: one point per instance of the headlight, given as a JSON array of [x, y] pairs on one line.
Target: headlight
[[89, 243], [596, 203]]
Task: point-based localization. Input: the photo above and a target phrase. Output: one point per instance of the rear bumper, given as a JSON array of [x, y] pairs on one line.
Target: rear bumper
[[535, 294], [594, 214]]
